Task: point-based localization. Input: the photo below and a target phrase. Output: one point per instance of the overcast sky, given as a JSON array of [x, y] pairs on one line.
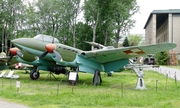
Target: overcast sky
[[146, 7]]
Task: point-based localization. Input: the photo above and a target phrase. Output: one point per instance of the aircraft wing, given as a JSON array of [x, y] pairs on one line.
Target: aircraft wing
[[108, 55]]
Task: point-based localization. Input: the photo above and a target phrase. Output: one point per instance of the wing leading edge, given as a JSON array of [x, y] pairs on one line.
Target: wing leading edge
[[109, 55]]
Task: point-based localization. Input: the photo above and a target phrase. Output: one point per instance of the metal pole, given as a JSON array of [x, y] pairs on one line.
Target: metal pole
[[156, 85], [166, 79], [175, 79], [122, 90]]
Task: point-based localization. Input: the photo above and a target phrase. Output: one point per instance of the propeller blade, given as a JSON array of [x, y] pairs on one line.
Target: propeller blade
[[57, 55], [19, 54], [10, 58], [43, 55]]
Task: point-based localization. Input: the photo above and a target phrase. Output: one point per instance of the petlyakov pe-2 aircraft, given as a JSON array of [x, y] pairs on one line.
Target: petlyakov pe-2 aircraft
[[46, 53]]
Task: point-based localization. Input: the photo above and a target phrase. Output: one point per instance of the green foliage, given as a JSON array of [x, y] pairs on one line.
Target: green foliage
[[83, 33], [162, 58], [11, 18], [134, 40], [114, 17], [126, 42], [106, 19]]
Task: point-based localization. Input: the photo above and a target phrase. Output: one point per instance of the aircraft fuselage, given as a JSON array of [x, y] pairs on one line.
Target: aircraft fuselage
[[31, 48]]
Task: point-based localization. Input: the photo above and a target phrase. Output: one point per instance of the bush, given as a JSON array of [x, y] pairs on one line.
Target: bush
[[162, 58]]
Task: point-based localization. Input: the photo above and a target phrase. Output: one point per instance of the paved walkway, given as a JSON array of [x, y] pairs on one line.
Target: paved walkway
[[171, 72], [6, 104]]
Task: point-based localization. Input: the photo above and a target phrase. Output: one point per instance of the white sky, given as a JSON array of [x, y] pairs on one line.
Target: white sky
[[146, 7]]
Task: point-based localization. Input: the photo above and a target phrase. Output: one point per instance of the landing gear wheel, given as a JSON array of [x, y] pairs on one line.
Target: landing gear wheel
[[73, 82], [97, 78], [34, 74]]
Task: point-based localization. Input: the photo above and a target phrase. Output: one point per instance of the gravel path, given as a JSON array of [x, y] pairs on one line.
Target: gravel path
[[171, 72], [6, 104]]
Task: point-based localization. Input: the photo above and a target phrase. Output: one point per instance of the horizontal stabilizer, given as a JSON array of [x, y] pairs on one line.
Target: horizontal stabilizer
[[99, 46]]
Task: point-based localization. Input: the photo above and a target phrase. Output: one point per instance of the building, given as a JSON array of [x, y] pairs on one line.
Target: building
[[163, 26]]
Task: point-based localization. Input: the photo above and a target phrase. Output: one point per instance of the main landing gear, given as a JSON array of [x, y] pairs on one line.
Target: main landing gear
[[74, 73], [97, 78], [34, 74]]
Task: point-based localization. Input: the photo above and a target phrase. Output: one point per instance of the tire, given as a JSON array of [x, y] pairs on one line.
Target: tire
[[34, 74]]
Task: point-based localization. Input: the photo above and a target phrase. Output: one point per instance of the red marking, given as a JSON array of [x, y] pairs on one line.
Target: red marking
[[18, 65], [128, 51], [50, 47], [140, 52], [135, 51]]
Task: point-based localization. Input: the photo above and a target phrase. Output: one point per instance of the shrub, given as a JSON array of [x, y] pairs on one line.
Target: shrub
[[162, 58]]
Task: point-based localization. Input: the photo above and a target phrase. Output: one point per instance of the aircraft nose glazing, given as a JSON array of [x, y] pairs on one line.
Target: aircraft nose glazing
[[20, 41], [16, 41]]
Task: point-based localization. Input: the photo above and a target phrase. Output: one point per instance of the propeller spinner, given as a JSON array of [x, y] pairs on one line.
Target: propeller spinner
[[13, 52], [51, 48]]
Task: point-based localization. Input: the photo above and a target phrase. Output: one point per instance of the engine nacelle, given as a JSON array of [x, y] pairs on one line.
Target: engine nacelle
[[57, 70]]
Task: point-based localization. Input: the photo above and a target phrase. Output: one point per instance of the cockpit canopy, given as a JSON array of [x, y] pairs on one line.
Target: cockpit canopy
[[46, 38]]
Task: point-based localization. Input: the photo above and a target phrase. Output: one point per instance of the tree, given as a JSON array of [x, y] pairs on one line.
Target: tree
[[126, 42], [105, 21], [121, 13], [84, 33], [162, 58], [91, 13], [75, 10], [54, 17], [134, 39], [11, 19], [112, 17]]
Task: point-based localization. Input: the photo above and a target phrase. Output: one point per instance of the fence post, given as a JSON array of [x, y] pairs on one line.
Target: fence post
[[166, 80], [175, 78], [156, 85], [122, 90]]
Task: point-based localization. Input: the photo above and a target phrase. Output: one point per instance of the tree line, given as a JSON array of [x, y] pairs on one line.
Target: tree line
[[71, 21]]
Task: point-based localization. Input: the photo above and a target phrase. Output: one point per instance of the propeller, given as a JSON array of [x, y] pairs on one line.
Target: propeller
[[51, 48], [13, 52]]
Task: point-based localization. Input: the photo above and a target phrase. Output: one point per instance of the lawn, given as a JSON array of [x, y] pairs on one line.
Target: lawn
[[116, 91]]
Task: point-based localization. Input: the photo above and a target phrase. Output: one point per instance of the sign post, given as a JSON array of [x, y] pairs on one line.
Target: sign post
[[18, 85], [72, 77]]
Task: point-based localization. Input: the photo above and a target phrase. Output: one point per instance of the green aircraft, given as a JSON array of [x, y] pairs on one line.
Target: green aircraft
[[46, 53], [14, 64]]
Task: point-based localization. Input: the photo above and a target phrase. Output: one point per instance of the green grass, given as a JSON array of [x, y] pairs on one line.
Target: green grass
[[43, 94]]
